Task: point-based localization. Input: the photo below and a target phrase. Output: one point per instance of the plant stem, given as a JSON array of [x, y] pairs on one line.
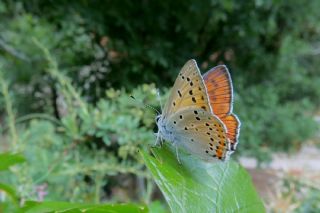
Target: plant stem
[[98, 183], [9, 110], [62, 79]]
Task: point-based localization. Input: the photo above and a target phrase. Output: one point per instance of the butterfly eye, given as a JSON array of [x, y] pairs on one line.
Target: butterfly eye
[[157, 119]]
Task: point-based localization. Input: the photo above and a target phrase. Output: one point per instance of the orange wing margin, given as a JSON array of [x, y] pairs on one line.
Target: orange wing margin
[[233, 128], [219, 87]]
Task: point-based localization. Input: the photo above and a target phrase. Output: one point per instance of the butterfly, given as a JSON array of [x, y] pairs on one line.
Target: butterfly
[[198, 113]]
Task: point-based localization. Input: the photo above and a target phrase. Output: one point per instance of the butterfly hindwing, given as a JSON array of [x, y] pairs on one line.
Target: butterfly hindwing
[[200, 132], [188, 91], [232, 124]]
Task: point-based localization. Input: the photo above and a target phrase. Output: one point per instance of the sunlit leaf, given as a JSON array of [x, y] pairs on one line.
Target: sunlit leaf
[[196, 186]]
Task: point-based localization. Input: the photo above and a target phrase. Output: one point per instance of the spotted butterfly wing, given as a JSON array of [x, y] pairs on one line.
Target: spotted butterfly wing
[[219, 87], [188, 90], [232, 124], [200, 132], [186, 115]]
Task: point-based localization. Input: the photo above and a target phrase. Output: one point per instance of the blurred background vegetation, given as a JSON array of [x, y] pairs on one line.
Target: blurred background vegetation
[[69, 67]]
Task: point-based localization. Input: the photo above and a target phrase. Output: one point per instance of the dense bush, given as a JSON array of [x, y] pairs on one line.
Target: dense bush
[[89, 149]]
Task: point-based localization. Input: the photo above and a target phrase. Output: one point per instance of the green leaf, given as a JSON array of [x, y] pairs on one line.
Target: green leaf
[[158, 207], [9, 191], [197, 186], [34, 207], [8, 159]]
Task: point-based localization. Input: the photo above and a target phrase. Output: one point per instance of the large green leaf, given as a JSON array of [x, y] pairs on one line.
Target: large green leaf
[[8, 159], [34, 207], [196, 186]]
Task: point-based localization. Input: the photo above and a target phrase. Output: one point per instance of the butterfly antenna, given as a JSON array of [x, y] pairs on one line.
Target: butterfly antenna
[[146, 105], [159, 99]]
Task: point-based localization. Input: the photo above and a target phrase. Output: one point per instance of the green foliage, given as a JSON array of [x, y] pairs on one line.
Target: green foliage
[[75, 157], [107, 141], [268, 46], [195, 186], [7, 192], [69, 67], [157, 207], [8, 160], [269, 125], [311, 204], [33, 207]]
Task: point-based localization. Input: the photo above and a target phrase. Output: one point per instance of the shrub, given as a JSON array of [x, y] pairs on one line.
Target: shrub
[[78, 157]]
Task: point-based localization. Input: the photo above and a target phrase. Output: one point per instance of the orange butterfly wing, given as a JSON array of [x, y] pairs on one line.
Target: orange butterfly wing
[[219, 88], [232, 124]]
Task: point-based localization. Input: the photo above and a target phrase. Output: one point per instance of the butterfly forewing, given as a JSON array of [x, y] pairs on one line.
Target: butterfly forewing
[[200, 132], [188, 91], [219, 87]]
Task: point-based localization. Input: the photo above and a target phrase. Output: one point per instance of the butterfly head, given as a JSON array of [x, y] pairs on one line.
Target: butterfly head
[[164, 132], [160, 124]]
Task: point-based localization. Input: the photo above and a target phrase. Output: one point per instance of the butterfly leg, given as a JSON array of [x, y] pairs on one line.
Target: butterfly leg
[[158, 139], [161, 141], [177, 152]]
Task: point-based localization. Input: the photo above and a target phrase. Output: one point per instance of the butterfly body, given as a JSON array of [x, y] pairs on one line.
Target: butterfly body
[[188, 120]]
